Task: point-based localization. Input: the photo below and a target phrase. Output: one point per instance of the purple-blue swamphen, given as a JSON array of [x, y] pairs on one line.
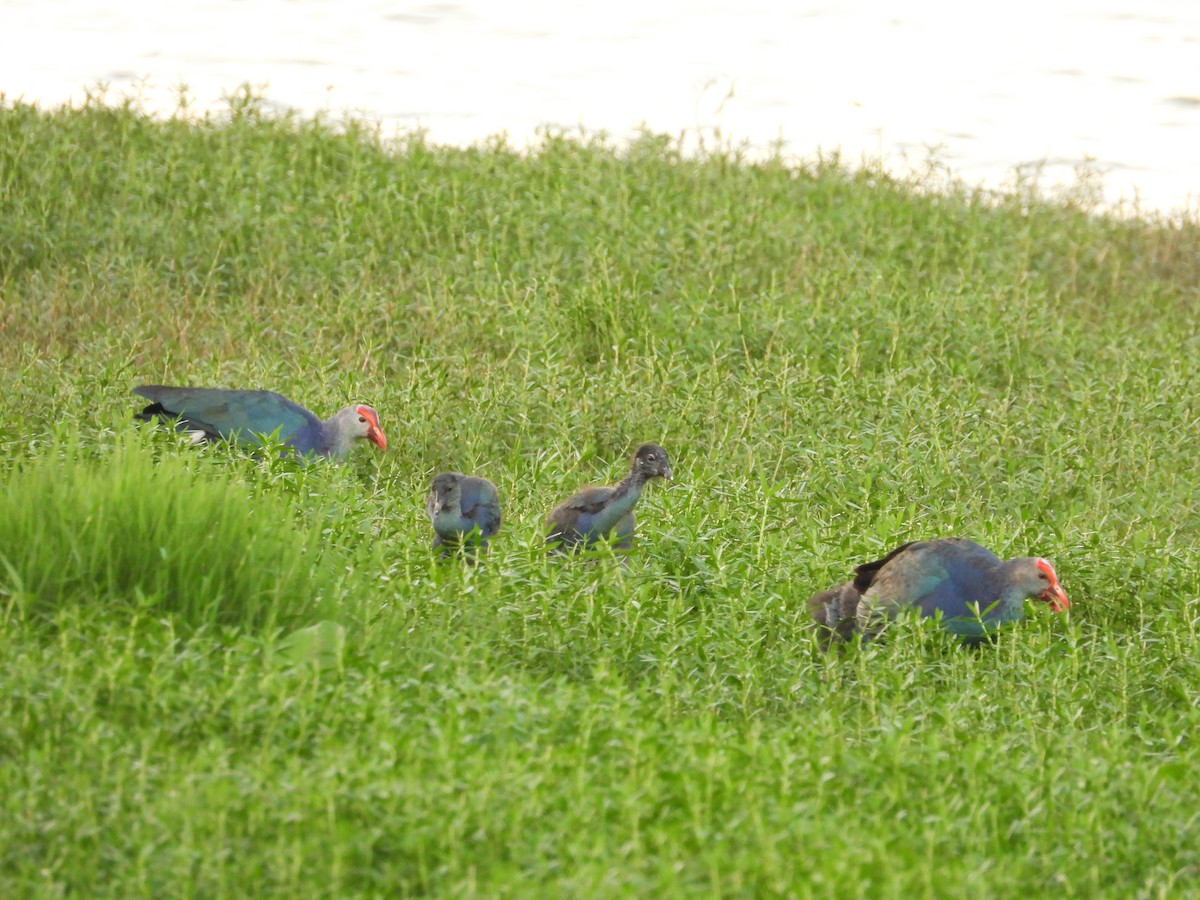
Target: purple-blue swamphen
[[603, 513], [464, 510], [210, 414], [974, 590]]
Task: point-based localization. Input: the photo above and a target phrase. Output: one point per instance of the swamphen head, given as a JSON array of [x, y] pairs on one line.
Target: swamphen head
[[1038, 577], [650, 461], [444, 494], [362, 422]]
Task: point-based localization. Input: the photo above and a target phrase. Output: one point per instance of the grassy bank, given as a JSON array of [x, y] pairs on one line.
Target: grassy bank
[[836, 361]]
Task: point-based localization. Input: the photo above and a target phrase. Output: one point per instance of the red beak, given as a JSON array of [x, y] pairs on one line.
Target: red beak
[[1054, 593], [1056, 597], [374, 433]]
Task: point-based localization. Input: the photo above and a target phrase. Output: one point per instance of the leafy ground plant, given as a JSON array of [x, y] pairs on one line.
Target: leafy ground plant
[[114, 525]]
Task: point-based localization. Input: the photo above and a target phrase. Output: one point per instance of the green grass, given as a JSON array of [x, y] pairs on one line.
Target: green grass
[[231, 676], [170, 535]]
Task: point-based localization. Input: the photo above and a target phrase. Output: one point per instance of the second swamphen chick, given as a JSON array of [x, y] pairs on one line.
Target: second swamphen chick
[[602, 513]]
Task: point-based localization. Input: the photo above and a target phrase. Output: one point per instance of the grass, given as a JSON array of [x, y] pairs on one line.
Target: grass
[[297, 699], [159, 532]]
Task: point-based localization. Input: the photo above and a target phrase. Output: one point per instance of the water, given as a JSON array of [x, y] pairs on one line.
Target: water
[[996, 92]]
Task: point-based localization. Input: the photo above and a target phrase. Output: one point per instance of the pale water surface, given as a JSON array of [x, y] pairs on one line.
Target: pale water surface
[[1001, 90]]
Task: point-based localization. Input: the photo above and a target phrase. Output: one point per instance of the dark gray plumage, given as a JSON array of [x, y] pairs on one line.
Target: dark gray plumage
[[974, 590], [464, 511], [597, 513]]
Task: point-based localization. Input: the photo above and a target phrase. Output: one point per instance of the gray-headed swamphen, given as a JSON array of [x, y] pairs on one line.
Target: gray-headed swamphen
[[975, 591], [464, 510], [210, 414], [597, 513]]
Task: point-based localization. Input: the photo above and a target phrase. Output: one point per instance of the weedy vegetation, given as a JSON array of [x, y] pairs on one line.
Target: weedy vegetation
[[230, 674]]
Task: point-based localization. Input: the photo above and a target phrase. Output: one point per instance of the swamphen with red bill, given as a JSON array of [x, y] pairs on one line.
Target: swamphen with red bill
[[975, 591], [599, 513], [464, 510], [210, 414]]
